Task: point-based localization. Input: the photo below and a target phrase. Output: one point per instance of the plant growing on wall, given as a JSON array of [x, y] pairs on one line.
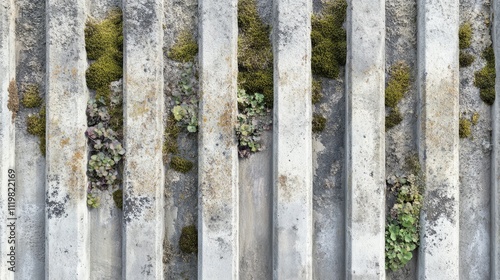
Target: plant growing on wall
[[398, 85]]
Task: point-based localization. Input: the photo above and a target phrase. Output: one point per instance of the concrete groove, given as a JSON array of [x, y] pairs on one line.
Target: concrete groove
[[495, 161]]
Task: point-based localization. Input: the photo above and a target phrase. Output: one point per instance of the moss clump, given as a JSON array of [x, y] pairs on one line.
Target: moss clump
[[475, 118], [13, 102], [31, 98], [316, 91], [181, 164], [485, 78], [328, 39], [255, 56], [118, 198], [465, 35], [185, 49], [464, 130], [466, 59], [171, 133], [188, 242], [36, 126], [318, 123], [394, 118]]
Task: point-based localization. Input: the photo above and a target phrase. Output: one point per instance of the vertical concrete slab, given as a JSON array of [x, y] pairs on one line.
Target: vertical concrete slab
[[292, 141], [66, 214], [495, 163], [7, 135], [438, 84], [365, 140], [143, 122], [218, 217]]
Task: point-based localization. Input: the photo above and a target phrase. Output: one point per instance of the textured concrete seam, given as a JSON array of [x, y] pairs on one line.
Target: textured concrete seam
[[218, 194], [292, 141], [143, 182], [365, 140], [7, 134], [66, 215], [438, 89], [495, 164]]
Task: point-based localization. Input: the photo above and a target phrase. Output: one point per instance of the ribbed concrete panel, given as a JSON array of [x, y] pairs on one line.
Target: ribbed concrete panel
[[7, 140], [66, 214], [438, 84], [495, 163], [218, 218], [292, 141], [365, 140], [143, 122]]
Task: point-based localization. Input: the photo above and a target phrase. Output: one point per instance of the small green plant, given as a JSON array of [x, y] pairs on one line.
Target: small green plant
[[318, 123], [188, 242], [185, 110], [251, 122], [403, 225], [118, 198], [398, 85], [93, 201], [464, 130], [35, 125], [185, 49], [485, 78], [181, 164]]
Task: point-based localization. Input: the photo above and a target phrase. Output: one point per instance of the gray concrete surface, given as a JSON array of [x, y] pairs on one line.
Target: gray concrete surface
[[438, 110], [143, 181], [495, 160], [66, 214], [218, 210], [292, 141], [365, 145]]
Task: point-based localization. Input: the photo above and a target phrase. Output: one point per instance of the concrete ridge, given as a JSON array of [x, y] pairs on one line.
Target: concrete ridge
[[495, 159]]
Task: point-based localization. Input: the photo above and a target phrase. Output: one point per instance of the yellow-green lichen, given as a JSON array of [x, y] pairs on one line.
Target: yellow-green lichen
[[188, 241], [185, 49], [466, 59], [328, 39], [181, 164], [35, 125], [31, 97], [13, 102], [394, 118], [485, 78], [316, 91], [255, 56], [464, 130], [118, 198], [398, 85], [475, 118], [465, 35], [318, 123]]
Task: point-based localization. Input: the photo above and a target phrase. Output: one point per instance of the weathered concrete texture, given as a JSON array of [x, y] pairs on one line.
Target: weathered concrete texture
[[7, 137], [292, 141], [475, 153], [365, 145], [438, 78], [30, 163], [495, 163], [256, 213], [66, 214], [143, 117], [329, 191], [218, 197], [401, 140], [181, 208]]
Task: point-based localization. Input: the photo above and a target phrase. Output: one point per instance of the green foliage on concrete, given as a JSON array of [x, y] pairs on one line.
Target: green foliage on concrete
[[465, 39], [35, 125], [118, 198], [466, 59], [485, 78], [328, 39], [316, 91], [171, 133], [185, 49], [403, 224], [464, 130], [255, 56], [398, 85], [188, 242], [394, 118], [185, 110], [93, 201], [180, 164], [31, 97], [318, 123]]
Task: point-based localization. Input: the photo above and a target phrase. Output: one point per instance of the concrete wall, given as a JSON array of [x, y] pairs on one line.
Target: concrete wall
[[326, 220]]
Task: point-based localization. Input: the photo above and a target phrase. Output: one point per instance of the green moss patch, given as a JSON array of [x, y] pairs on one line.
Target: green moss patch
[[466, 59], [316, 91], [464, 130], [172, 131], [394, 118], [118, 198], [31, 97], [185, 49], [181, 164], [318, 123], [485, 78], [255, 56], [328, 39], [465, 35], [398, 85], [188, 242], [36, 126]]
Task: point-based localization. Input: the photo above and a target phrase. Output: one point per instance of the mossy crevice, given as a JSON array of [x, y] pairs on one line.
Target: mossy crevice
[[485, 78], [255, 55], [398, 85], [464, 130], [318, 123], [188, 241], [328, 39], [316, 91], [31, 97], [180, 164], [13, 102], [118, 198], [465, 39], [35, 125], [185, 49]]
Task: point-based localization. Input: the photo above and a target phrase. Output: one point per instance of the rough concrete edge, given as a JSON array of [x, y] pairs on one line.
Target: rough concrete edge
[[7, 127], [380, 274], [288, 180], [142, 253], [211, 204], [495, 168]]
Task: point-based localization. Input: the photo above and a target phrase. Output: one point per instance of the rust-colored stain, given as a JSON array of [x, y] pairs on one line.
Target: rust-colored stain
[[282, 180], [74, 72], [64, 142]]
